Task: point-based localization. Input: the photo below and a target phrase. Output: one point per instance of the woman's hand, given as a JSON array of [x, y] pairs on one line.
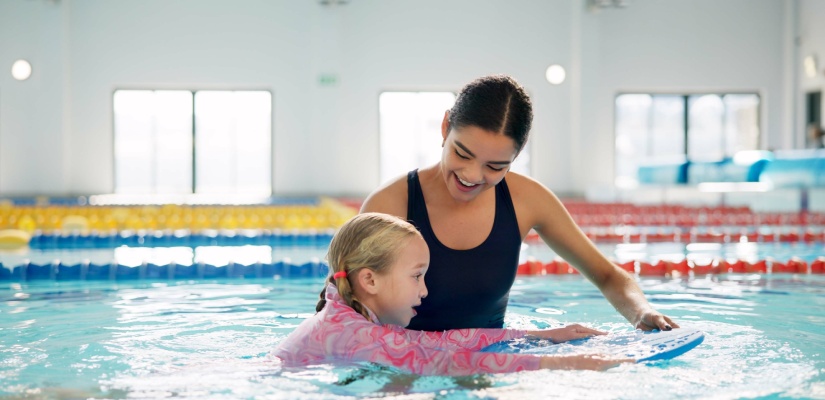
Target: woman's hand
[[567, 333], [653, 319], [594, 362]]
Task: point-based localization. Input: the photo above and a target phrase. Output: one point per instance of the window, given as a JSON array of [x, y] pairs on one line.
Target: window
[[153, 141], [233, 150], [410, 132], [180, 141], [654, 128]]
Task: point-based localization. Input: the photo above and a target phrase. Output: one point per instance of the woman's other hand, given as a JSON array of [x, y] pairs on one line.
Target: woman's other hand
[[653, 319]]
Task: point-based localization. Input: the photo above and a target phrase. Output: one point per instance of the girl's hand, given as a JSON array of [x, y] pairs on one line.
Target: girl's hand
[[567, 333], [594, 362], [653, 319]]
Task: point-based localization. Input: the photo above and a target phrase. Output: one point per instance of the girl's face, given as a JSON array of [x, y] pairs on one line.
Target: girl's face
[[474, 160], [402, 287]]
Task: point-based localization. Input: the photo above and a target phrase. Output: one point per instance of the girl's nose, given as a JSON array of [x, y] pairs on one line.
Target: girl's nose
[[423, 292]]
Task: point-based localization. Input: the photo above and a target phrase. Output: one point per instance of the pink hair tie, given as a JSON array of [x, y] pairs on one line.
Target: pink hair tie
[[339, 274]]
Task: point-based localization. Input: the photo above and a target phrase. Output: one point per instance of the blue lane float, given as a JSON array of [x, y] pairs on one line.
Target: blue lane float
[[96, 240], [90, 272]]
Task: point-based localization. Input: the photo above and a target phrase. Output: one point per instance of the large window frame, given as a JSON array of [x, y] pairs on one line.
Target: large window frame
[[192, 186], [687, 153]]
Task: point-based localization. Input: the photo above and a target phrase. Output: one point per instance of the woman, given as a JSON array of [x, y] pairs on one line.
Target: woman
[[474, 213]]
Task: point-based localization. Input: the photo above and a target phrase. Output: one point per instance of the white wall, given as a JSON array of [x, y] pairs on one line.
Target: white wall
[[190, 44], [31, 112], [398, 45], [56, 128], [681, 47]]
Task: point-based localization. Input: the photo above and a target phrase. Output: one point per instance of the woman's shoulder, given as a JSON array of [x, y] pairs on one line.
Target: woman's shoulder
[[389, 198], [532, 200], [523, 186]]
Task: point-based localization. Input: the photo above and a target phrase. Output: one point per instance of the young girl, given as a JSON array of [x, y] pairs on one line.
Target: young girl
[[377, 266]]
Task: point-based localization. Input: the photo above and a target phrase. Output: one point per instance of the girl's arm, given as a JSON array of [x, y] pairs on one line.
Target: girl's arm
[[477, 339], [385, 345], [467, 339]]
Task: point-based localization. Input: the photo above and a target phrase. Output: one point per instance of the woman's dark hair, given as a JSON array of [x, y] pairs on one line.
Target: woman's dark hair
[[496, 103]]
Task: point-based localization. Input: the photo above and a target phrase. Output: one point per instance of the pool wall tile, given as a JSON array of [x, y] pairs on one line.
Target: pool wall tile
[[186, 272], [68, 272], [209, 271], [124, 272], [270, 270], [18, 273], [301, 271], [154, 271], [98, 272], [34, 271], [243, 271]]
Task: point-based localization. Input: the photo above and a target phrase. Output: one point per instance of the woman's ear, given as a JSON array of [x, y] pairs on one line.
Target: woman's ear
[[366, 281], [445, 127]]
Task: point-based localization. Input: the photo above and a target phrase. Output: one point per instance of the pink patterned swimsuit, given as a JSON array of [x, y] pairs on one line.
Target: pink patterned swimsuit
[[338, 332]]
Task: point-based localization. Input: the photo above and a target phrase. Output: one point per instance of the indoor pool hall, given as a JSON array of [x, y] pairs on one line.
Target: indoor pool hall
[[338, 199]]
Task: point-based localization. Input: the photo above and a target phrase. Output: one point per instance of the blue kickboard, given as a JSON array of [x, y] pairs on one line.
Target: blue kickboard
[[639, 345]]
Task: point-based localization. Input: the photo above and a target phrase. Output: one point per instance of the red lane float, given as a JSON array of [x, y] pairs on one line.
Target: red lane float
[[613, 214], [818, 266], [706, 269], [685, 267]]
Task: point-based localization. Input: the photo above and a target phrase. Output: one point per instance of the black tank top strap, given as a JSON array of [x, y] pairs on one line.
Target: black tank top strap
[[413, 194]]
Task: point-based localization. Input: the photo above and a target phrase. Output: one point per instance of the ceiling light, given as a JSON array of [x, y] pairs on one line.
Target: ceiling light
[[21, 70], [555, 74]]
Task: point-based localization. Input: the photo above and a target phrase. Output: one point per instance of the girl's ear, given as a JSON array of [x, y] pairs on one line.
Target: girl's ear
[[366, 281]]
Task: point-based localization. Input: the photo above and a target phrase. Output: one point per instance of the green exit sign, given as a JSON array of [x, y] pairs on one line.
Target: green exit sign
[[328, 79]]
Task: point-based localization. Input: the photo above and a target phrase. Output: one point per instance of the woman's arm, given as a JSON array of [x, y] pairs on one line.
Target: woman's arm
[[541, 210]]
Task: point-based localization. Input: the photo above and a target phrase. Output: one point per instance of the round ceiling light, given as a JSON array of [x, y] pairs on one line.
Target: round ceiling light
[[21, 70], [555, 74]]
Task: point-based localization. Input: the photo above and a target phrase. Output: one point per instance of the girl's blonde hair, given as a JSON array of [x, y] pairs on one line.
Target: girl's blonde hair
[[369, 240]]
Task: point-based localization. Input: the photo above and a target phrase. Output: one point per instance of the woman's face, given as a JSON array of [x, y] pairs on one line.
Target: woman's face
[[474, 160]]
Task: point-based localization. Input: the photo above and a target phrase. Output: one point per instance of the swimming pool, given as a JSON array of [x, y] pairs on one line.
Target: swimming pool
[[209, 338]]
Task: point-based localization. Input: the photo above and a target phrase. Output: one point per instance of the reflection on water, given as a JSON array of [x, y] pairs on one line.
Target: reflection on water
[[211, 339]]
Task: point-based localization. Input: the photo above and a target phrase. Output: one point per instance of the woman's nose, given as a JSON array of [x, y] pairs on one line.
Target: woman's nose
[[475, 173]]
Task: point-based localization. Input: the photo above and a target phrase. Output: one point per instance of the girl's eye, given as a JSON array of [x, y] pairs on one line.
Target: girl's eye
[[463, 157], [418, 276], [496, 169]]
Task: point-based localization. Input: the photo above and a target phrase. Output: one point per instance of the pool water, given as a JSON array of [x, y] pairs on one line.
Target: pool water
[[199, 339]]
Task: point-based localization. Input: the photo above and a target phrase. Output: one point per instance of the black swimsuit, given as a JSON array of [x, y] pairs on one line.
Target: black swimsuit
[[467, 288]]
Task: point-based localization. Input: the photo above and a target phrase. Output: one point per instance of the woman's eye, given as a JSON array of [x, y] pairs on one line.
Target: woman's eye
[[462, 156], [496, 169]]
